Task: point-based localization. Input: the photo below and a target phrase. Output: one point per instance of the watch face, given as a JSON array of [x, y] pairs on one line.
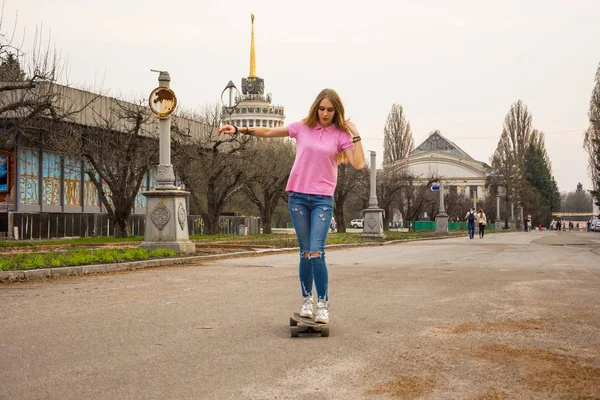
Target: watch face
[[250, 85]]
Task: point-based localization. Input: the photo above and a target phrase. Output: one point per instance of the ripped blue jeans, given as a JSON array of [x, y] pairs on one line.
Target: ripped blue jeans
[[311, 215]]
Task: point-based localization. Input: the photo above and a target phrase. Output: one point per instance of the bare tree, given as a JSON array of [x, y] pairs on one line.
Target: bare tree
[[268, 175], [398, 140], [508, 161], [212, 167], [350, 183], [390, 183], [117, 153], [416, 197]]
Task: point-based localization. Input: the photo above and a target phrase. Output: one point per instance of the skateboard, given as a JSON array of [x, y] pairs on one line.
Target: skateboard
[[300, 324]]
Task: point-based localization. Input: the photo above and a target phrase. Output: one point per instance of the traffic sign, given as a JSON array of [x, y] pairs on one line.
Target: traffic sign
[[435, 188]]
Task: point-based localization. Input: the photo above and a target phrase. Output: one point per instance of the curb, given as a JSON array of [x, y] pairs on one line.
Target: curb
[[95, 269]]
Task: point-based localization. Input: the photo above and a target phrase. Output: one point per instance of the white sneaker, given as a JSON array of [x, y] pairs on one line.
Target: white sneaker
[[307, 307], [322, 312]]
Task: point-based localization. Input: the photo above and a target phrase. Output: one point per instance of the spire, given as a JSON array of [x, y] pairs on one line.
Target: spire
[[252, 55]]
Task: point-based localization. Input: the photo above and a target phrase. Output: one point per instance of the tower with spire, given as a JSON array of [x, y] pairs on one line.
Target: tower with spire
[[255, 108]]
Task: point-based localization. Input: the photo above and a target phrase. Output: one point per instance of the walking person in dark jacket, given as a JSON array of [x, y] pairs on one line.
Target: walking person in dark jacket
[[470, 217]]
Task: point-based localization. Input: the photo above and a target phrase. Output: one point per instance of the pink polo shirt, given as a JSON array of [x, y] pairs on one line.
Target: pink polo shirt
[[315, 167]]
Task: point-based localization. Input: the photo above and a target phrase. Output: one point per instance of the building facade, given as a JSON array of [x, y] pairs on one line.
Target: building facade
[[439, 157], [36, 181]]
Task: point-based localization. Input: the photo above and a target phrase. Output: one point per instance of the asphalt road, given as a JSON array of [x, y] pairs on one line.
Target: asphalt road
[[514, 315]]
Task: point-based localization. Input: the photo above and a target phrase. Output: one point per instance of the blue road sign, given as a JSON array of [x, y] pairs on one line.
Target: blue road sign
[[435, 188]]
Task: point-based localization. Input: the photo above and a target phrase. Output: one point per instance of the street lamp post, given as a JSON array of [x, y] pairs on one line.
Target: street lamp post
[[166, 206]]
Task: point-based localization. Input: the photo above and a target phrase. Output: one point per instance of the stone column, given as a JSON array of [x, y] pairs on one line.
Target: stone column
[[475, 209], [166, 205], [511, 222], [441, 219], [498, 219], [373, 216]]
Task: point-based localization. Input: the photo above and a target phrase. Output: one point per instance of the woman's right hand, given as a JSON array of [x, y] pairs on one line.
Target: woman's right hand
[[227, 129]]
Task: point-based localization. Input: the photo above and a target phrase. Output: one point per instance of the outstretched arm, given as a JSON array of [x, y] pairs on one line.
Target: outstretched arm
[[258, 132], [356, 156]]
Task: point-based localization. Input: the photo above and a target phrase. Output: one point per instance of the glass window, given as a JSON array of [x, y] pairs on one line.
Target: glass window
[[29, 165], [140, 200], [72, 182], [90, 194], [51, 173]]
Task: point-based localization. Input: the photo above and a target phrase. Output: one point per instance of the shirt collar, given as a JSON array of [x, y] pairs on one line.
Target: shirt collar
[[329, 129]]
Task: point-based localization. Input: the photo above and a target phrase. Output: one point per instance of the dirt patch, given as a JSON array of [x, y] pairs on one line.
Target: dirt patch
[[490, 396], [406, 387], [545, 371], [509, 325]]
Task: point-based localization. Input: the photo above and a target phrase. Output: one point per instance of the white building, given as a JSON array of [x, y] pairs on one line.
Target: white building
[[439, 157]]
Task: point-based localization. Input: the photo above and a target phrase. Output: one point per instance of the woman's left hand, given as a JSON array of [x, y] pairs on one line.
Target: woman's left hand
[[351, 127]]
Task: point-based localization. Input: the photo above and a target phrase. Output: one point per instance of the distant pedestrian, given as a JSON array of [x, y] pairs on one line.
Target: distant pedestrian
[[482, 219], [470, 217]]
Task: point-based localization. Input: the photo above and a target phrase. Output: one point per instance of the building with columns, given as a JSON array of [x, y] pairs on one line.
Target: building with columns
[[255, 108], [439, 157]]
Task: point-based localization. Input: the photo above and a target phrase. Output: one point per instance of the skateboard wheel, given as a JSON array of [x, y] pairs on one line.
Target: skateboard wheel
[[325, 331], [293, 322], [294, 331]]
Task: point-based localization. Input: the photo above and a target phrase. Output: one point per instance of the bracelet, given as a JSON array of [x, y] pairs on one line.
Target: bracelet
[[356, 139], [249, 131], [236, 129]]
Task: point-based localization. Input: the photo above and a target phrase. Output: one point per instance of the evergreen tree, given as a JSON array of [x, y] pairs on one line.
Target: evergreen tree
[[540, 195], [10, 69]]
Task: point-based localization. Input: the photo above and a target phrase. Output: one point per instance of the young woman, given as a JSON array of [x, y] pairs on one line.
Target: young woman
[[482, 222], [323, 140]]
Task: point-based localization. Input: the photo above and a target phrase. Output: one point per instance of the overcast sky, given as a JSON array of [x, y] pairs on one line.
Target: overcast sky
[[456, 66]]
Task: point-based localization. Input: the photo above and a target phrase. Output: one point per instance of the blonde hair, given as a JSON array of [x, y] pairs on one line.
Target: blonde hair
[[338, 118]]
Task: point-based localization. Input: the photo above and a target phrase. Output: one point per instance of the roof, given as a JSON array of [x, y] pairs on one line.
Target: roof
[[437, 142]]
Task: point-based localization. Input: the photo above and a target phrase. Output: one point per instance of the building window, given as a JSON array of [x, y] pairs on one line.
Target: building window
[[90, 192], [243, 110], [72, 182], [251, 124], [51, 174], [270, 124], [140, 199], [264, 122], [29, 167]]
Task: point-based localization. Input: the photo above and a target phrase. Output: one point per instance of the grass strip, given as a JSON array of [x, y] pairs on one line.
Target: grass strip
[[77, 257]]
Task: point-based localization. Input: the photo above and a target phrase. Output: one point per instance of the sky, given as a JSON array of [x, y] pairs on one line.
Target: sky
[[454, 66]]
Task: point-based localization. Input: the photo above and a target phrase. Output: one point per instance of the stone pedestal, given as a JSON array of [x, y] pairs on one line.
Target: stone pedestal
[[499, 225], [441, 224], [166, 222], [373, 224]]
